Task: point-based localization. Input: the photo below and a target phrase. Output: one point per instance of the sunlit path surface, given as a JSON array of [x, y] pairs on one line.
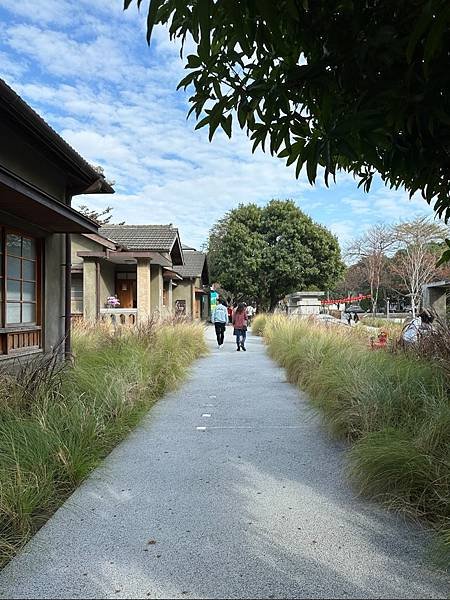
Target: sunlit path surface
[[229, 488]]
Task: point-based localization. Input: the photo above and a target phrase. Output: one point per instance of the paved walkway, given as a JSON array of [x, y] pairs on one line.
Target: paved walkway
[[254, 506]]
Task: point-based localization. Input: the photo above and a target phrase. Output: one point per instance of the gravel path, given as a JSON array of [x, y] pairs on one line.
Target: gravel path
[[254, 506]]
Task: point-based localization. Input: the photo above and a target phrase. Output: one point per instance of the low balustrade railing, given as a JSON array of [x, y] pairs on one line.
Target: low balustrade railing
[[119, 316]]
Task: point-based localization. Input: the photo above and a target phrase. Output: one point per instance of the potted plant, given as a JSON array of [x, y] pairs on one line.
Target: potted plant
[[112, 302]]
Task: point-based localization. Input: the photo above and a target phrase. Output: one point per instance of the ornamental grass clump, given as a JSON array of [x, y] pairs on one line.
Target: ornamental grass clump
[[52, 438], [258, 324], [392, 405]]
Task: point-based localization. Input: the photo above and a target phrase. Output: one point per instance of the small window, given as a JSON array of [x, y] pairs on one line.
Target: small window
[[76, 294]]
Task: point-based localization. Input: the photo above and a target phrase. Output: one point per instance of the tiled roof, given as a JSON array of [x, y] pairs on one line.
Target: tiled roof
[[142, 237], [194, 262]]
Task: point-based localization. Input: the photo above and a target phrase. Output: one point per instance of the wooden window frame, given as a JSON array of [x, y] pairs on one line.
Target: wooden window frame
[[20, 338]]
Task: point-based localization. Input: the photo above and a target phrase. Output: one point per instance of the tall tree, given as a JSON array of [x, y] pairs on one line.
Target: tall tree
[[338, 84], [264, 253], [419, 243], [371, 249]]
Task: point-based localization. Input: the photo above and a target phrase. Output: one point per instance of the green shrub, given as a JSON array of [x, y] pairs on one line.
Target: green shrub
[[393, 407], [259, 323], [77, 415]]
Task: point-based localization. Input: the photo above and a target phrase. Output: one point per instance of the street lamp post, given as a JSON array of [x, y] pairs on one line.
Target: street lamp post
[[387, 308]]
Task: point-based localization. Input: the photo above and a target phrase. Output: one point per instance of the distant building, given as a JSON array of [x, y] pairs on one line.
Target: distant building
[[436, 296], [191, 295], [134, 263], [304, 303]]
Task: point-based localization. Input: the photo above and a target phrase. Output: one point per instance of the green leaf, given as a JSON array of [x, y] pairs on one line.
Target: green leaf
[[151, 17], [298, 168], [217, 89], [226, 125], [445, 258], [193, 61], [187, 80], [419, 29], [242, 114], [214, 122], [202, 123]]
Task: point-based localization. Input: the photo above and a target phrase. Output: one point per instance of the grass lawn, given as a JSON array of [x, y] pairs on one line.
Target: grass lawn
[[58, 421], [393, 406]]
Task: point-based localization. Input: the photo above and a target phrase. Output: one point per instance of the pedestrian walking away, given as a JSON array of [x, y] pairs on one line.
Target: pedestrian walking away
[[220, 320], [240, 326], [230, 313], [250, 312]]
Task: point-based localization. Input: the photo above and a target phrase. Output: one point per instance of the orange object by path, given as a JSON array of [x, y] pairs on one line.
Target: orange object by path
[[380, 342]]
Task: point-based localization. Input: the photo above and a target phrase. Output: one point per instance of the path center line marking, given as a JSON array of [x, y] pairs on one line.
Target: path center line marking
[[256, 427]]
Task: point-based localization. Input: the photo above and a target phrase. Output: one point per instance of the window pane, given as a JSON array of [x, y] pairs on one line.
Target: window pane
[[29, 270], [14, 244], [28, 313], [121, 275], [77, 284], [12, 312], [28, 248], [131, 276], [77, 306], [13, 289], [28, 291], [13, 267]]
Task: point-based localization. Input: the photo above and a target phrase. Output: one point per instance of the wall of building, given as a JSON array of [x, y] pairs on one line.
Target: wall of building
[[184, 291], [107, 281], [309, 304], [436, 298], [25, 160], [156, 289], [54, 291], [80, 243]]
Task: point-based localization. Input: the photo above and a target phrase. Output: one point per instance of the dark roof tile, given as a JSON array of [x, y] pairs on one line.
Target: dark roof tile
[[194, 262], [142, 237]]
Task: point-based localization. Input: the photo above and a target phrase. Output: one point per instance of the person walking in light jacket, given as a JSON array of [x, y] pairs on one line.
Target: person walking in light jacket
[[220, 320]]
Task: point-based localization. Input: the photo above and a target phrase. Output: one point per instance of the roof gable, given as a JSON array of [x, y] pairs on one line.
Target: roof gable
[[157, 238], [194, 264]]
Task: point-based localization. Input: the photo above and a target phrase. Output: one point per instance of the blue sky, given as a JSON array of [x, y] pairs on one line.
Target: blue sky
[[86, 68]]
